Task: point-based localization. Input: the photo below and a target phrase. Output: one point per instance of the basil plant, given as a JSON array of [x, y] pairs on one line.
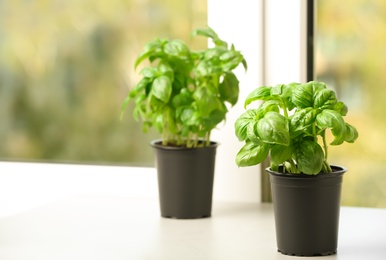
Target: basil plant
[[290, 127], [183, 93]]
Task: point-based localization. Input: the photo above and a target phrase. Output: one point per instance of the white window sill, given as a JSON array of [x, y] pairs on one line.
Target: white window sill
[[106, 212], [115, 226]]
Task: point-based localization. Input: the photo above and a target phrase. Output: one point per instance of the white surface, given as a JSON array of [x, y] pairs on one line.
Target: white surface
[[110, 226], [285, 41], [27, 185]]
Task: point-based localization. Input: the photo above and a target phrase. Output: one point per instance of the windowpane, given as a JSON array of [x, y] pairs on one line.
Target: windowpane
[[66, 67], [351, 57]]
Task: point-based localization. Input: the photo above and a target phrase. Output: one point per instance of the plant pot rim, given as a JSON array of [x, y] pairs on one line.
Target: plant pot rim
[[157, 143], [336, 171]]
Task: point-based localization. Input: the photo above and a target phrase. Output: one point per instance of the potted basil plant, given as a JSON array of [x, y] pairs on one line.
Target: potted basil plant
[[185, 94], [290, 128]]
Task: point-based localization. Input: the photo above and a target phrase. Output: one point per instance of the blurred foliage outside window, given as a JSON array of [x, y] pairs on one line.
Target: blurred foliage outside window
[[66, 67], [351, 57]]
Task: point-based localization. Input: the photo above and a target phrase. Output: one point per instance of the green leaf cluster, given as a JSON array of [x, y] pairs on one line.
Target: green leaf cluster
[[290, 125], [183, 93]]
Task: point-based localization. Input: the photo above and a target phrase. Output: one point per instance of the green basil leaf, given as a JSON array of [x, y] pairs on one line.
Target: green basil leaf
[[243, 121], [177, 48], [206, 32], [166, 70], [287, 95], [252, 134], [214, 53], [252, 153], [325, 99], [277, 90], [207, 68], [215, 117], [210, 33], [309, 157], [261, 93], [206, 101], [284, 94], [341, 108], [273, 128], [230, 60], [151, 51], [280, 153], [302, 119], [162, 88], [229, 88], [190, 117], [351, 133], [140, 87], [331, 119], [270, 105], [150, 72], [303, 94], [184, 98]]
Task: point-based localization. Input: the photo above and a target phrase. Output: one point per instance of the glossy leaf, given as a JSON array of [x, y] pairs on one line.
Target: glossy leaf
[[183, 99], [309, 157], [351, 133], [150, 72], [331, 119], [177, 48], [229, 88], [243, 121], [325, 99], [252, 153], [302, 119], [261, 93], [281, 153], [273, 128], [162, 88], [341, 108]]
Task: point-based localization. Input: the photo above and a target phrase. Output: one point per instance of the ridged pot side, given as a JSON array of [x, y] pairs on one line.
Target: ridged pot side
[[307, 211], [185, 180]]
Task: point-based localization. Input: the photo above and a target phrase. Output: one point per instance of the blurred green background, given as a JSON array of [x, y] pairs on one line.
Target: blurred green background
[[66, 67], [351, 57]]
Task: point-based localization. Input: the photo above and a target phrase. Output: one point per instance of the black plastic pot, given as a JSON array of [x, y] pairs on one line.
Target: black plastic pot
[[185, 180], [307, 212]]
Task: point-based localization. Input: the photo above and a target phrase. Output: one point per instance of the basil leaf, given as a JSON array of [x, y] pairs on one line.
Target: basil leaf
[[177, 48], [341, 108], [206, 101], [273, 128], [302, 118], [184, 98], [149, 72], [261, 93], [309, 157], [325, 99], [280, 153], [162, 88], [229, 88], [252, 153], [303, 94], [151, 50], [243, 121], [331, 119], [351, 133]]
